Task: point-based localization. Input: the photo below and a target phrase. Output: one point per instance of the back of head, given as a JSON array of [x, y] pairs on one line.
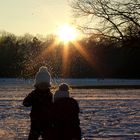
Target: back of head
[[62, 93], [43, 69], [63, 87], [42, 78]]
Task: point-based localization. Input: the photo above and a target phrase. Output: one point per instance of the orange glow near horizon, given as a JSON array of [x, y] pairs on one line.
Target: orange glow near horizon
[[65, 60], [65, 55]]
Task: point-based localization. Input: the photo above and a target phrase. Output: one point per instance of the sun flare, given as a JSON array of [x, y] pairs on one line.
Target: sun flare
[[67, 33]]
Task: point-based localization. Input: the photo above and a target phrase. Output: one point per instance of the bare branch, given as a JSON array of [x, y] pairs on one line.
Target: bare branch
[[111, 16]]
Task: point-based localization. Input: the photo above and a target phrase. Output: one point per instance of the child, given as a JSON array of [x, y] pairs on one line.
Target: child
[[40, 99], [65, 115]]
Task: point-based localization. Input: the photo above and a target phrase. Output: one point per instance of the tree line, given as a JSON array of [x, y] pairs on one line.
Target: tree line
[[21, 56]]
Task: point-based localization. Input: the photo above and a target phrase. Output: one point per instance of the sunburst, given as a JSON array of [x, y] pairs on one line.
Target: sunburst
[[67, 33]]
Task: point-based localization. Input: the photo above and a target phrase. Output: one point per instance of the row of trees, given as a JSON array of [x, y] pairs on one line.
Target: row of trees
[[22, 56]]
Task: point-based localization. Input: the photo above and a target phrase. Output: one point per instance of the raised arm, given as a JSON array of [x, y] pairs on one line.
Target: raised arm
[[28, 100]]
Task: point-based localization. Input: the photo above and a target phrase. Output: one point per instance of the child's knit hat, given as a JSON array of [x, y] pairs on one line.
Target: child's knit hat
[[43, 76], [64, 87], [63, 92]]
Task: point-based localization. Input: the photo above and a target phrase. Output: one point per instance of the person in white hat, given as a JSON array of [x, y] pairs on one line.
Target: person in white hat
[[42, 78], [40, 99]]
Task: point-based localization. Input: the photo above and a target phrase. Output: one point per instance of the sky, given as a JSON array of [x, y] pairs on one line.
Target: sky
[[33, 16]]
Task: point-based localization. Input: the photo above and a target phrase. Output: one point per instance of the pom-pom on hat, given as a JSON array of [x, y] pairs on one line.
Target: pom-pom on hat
[[43, 77]]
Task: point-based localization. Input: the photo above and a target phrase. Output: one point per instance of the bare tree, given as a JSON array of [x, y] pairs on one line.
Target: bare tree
[[109, 18]]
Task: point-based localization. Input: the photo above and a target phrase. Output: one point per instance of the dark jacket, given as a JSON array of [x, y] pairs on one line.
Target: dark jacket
[[66, 119], [66, 110], [41, 102]]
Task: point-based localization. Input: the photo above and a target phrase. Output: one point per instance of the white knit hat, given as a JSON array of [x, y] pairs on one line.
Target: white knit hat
[[43, 76]]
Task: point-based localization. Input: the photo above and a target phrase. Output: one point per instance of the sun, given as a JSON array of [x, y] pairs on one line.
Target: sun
[[67, 33]]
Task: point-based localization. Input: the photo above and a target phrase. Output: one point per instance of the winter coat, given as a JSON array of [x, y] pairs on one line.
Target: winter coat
[[66, 119], [41, 102]]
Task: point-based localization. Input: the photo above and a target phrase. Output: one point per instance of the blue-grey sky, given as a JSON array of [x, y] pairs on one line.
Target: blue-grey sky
[[33, 16]]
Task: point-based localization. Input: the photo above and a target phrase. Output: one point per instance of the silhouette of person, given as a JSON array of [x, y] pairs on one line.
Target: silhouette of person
[[40, 99], [65, 115]]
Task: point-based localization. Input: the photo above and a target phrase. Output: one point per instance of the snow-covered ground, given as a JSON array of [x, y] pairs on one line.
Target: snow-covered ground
[[73, 82], [106, 114]]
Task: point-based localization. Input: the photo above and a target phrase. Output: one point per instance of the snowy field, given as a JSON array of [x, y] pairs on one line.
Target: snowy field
[[74, 82], [106, 114]]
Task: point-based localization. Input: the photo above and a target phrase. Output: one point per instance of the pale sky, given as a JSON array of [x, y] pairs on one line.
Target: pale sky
[[33, 16]]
